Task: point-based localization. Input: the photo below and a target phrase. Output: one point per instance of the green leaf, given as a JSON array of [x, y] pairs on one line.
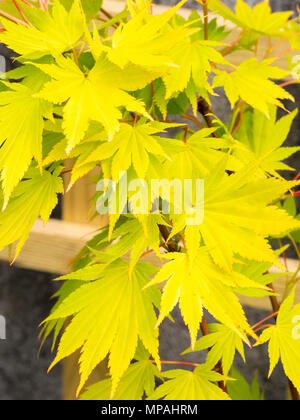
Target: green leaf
[[132, 145], [240, 390], [199, 283], [238, 217], [146, 40], [289, 205], [269, 152], [21, 127], [51, 34], [34, 197], [110, 314], [137, 380], [194, 158], [260, 19], [90, 7], [250, 82], [193, 59], [257, 271], [222, 343], [186, 385], [215, 31], [96, 96], [284, 340]]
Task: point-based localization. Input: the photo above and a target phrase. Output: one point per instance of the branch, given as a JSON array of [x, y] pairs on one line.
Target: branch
[[204, 109], [234, 44], [205, 15], [107, 14], [169, 362], [12, 18], [194, 119], [21, 12], [171, 245]]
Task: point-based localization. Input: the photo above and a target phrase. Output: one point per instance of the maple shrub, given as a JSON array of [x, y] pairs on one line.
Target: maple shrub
[[131, 95]]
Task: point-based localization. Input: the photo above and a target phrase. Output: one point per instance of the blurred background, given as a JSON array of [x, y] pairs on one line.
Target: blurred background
[[25, 302]]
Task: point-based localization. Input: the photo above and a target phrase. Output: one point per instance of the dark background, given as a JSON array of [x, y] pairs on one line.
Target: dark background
[[25, 302]]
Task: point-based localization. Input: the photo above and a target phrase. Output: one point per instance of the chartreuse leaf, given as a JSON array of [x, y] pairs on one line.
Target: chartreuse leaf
[[194, 158], [216, 32], [136, 6], [94, 96], [290, 206], [131, 386], [34, 197], [240, 390], [200, 283], [250, 82], [133, 238], [52, 33], [146, 40], [139, 379], [21, 127], [91, 8], [56, 325], [257, 271], [238, 217], [260, 19], [268, 152], [194, 58], [186, 385], [292, 35], [133, 145], [296, 233], [223, 343], [110, 314], [284, 340]]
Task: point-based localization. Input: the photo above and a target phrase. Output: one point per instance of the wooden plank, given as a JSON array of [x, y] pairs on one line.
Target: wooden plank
[[52, 247]]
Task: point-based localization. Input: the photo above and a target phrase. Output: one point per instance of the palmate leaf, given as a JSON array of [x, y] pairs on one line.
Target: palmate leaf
[[197, 284], [250, 82], [216, 32], [34, 197], [21, 127], [139, 379], [132, 238], [96, 96], [146, 40], [260, 19], [132, 145], [240, 390], [194, 58], [284, 340], [259, 272], [263, 138], [52, 33], [223, 343], [136, 6], [90, 8], [238, 217], [110, 314], [186, 385], [194, 158], [56, 325], [131, 386]]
